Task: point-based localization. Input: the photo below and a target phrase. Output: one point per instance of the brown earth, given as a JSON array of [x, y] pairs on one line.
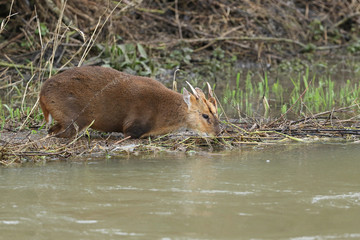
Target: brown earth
[[252, 30]]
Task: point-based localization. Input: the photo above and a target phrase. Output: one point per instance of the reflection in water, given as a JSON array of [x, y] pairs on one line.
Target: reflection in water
[[199, 176], [283, 192]]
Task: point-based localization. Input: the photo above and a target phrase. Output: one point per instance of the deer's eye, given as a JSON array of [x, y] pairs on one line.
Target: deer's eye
[[205, 116]]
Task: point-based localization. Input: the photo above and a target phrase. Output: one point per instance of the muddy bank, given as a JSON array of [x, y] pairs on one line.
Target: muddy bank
[[203, 38], [18, 147]]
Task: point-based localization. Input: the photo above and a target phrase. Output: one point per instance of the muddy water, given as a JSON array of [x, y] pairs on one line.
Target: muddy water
[[294, 192]]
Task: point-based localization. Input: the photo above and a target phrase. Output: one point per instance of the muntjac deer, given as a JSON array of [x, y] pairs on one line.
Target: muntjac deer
[[113, 101]]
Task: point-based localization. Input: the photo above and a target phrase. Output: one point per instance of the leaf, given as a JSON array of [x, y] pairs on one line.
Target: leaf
[[147, 71], [142, 51], [124, 52]]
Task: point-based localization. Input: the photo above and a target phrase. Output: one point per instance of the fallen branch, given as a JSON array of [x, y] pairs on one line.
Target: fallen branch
[[314, 116], [264, 39]]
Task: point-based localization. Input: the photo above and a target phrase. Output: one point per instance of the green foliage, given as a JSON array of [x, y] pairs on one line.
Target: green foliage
[[178, 58], [43, 29], [27, 44], [2, 116], [219, 66], [309, 48], [30, 42], [294, 65], [316, 29], [14, 115], [218, 62], [278, 91], [264, 86], [354, 47], [308, 94], [128, 57], [284, 109], [218, 53]]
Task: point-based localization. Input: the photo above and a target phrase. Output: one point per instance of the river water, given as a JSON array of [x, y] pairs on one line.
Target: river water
[[276, 192]]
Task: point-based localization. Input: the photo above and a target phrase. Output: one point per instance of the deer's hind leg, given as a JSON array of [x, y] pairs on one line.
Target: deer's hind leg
[[63, 130], [69, 128]]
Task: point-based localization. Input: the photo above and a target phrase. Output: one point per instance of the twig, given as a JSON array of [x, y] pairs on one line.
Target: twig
[[10, 84], [122, 140], [320, 114], [265, 39], [177, 19], [36, 153], [183, 26], [5, 21], [237, 127], [251, 39], [20, 66], [222, 36], [56, 40], [5, 43], [28, 116], [52, 6], [346, 19], [96, 33], [282, 134]]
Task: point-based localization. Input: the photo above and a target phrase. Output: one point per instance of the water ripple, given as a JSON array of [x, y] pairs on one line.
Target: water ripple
[[336, 200], [178, 190]]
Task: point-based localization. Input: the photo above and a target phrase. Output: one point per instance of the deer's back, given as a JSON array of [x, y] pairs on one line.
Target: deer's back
[[109, 97]]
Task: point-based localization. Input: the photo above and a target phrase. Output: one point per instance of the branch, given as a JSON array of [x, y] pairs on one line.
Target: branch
[[52, 6], [265, 39], [20, 66], [346, 19], [211, 41]]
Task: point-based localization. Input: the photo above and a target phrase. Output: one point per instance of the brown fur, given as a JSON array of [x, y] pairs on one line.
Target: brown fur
[[118, 102]]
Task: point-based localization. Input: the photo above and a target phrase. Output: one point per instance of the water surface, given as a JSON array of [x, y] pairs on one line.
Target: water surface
[[283, 192]]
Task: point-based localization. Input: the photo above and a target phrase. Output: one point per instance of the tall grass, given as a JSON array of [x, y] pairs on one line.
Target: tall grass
[[305, 95], [19, 105]]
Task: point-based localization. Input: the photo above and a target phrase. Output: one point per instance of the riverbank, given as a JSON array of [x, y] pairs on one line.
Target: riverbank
[[278, 77], [23, 146]]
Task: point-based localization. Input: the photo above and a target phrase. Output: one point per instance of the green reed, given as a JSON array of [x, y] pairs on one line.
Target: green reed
[[306, 94]]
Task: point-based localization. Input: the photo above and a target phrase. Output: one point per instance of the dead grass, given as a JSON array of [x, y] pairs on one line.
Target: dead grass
[[249, 28], [24, 146]]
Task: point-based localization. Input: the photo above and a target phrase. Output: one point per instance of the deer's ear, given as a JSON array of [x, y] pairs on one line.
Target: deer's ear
[[186, 97], [212, 100]]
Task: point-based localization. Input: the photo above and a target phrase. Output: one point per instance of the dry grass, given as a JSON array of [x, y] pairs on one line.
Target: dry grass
[[249, 28], [23, 146]]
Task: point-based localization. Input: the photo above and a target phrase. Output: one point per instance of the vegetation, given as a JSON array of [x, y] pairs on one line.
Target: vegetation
[[282, 70], [306, 95]]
